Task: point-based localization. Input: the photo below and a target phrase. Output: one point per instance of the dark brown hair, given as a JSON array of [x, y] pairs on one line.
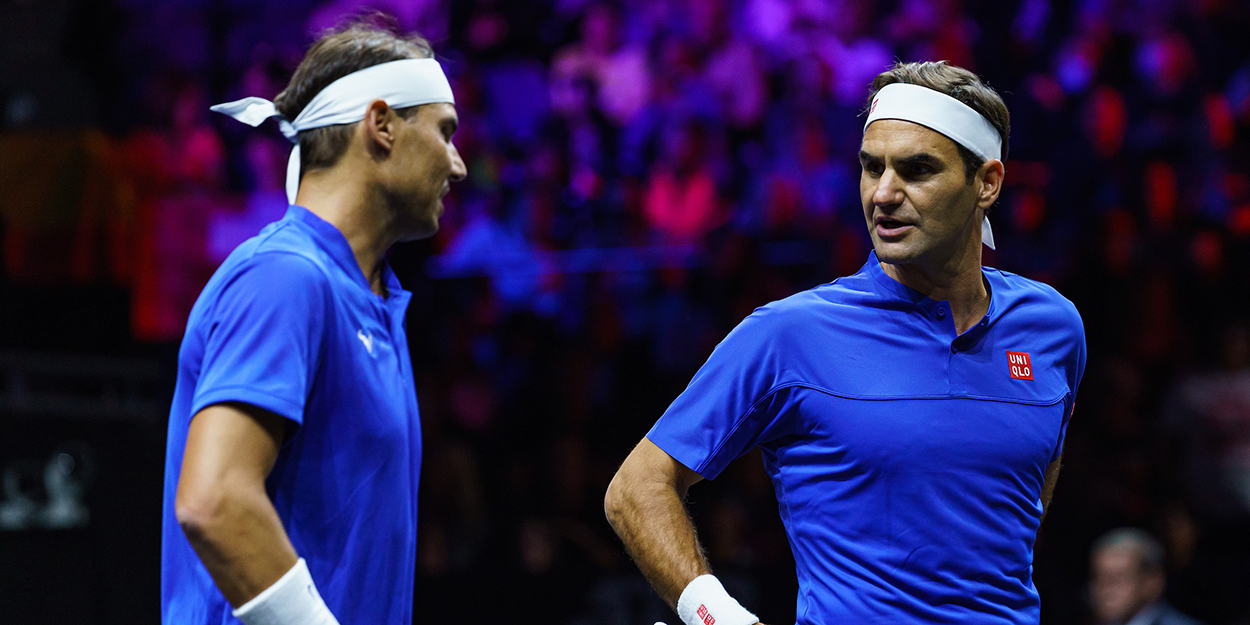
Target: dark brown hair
[[339, 52], [957, 83]]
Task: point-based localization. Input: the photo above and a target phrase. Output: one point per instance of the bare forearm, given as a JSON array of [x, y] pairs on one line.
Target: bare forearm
[[659, 536], [240, 539], [222, 505], [646, 510], [1048, 485]]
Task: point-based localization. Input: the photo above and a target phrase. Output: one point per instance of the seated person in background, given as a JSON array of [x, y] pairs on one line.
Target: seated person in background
[[1127, 579]]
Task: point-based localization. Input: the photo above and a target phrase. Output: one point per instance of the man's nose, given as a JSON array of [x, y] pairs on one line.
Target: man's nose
[[458, 168], [889, 189]]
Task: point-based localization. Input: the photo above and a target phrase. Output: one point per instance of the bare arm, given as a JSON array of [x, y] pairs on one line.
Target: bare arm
[[1048, 486], [222, 505], [644, 506]]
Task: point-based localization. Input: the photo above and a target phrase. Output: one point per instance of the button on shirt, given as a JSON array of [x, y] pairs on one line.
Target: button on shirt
[[907, 460], [288, 323]]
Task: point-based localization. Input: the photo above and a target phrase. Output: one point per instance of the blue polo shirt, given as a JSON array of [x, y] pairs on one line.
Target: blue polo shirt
[[288, 323], [907, 461]]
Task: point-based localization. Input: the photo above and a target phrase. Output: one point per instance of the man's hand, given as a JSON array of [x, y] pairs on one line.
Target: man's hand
[[663, 623]]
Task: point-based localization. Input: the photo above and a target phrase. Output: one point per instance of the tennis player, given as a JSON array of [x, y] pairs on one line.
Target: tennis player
[[911, 416], [294, 443]]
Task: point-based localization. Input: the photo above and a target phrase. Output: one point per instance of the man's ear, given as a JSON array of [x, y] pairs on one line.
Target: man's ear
[[990, 183], [379, 126]]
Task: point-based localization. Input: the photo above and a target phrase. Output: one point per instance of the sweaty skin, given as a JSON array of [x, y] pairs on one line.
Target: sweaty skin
[[924, 216], [389, 185]]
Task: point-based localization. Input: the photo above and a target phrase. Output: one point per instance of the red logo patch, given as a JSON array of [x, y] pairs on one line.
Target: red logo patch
[[708, 619], [1021, 367], [874, 106]]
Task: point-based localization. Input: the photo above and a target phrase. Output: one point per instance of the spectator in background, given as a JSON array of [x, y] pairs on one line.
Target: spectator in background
[[1127, 580], [1211, 413], [425, 16], [618, 71], [177, 168], [735, 72], [230, 224], [681, 200]]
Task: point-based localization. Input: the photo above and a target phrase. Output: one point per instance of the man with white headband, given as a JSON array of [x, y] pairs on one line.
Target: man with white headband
[[911, 416], [294, 446]]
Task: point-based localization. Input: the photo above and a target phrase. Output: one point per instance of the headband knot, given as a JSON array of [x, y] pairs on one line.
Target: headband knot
[[401, 84]]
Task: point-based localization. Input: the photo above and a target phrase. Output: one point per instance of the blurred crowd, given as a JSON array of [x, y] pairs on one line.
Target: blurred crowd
[[641, 176]]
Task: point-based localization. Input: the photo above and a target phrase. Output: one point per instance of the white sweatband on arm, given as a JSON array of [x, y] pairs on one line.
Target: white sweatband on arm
[[292, 600], [401, 84], [943, 114], [705, 602]]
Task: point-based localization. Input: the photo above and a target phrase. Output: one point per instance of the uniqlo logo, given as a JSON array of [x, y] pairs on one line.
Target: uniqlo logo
[[1021, 368], [708, 619]]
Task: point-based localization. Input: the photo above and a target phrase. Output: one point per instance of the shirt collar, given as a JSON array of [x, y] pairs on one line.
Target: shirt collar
[[330, 239], [890, 287], [1146, 615]]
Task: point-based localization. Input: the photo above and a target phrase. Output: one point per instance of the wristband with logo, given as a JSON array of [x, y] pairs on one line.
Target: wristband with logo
[[705, 602]]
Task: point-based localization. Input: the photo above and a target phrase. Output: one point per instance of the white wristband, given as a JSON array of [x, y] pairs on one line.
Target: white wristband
[[292, 600], [705, 602]]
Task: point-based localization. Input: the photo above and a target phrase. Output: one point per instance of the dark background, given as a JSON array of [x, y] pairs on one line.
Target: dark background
[[642, 175]]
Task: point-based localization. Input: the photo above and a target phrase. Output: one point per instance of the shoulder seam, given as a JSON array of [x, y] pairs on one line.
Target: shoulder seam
[[291, 253], [259, 249], [781, 387]]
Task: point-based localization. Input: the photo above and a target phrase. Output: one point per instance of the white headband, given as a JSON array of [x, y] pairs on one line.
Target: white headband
[[401, 84], [941, 113]]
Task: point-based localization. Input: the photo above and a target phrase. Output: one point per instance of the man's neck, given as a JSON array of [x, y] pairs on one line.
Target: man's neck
[[345, 200], [957, 280]]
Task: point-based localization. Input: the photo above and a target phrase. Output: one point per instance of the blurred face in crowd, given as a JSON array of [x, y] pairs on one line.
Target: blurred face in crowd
[[917, 201], [423, 164], [1120, 585]]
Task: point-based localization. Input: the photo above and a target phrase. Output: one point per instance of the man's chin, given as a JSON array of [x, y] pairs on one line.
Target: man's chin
[[421, 230], [893, 252], [426, 227], [421, 233]]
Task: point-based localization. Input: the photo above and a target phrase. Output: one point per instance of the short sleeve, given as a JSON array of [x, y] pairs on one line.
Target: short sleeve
[[728, 407], [264, 336], [1075, 365]]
